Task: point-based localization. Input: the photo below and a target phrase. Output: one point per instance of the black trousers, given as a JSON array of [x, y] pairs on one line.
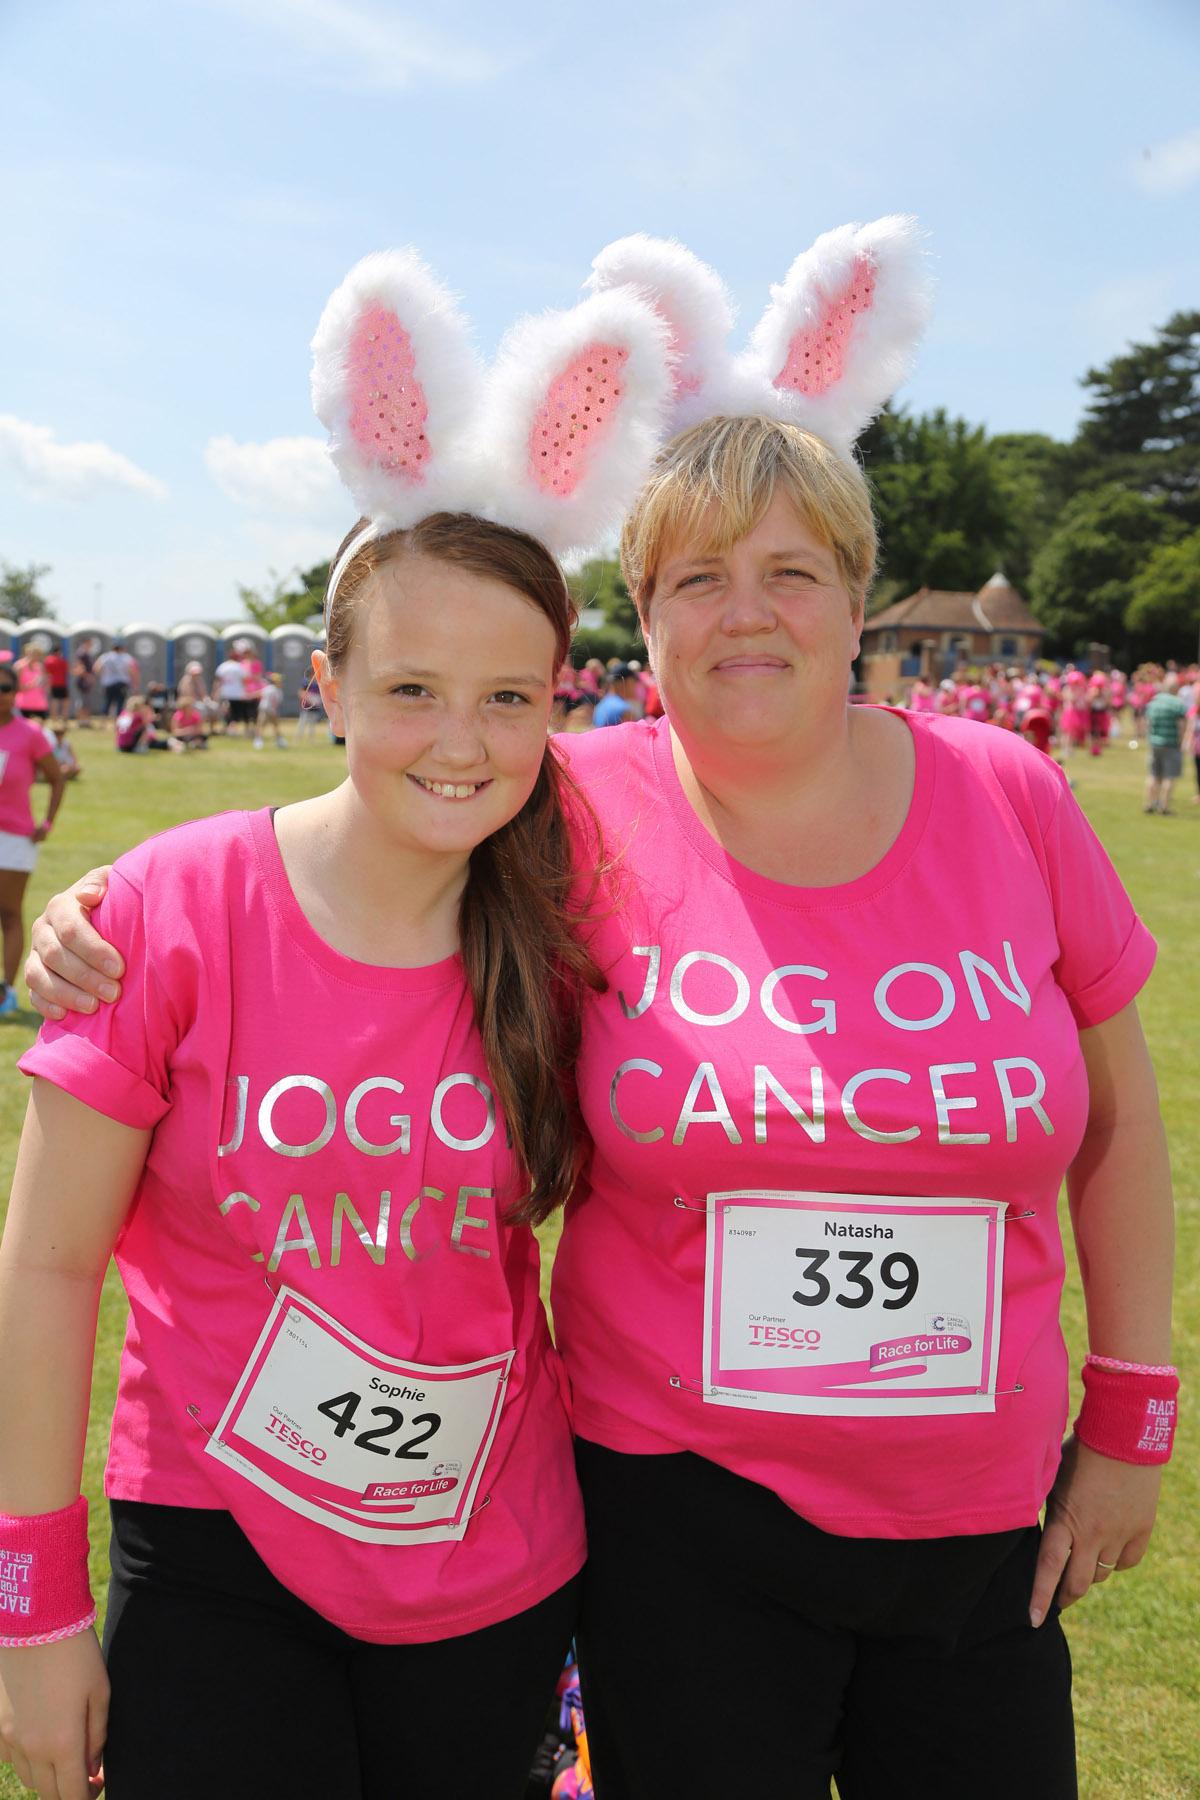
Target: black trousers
[[225, 1686], [729, 1648]]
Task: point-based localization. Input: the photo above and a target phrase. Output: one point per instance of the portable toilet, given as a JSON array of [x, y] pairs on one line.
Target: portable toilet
[[192, 643], [46, 633], [291, 658], [88, 634], [147, 644]]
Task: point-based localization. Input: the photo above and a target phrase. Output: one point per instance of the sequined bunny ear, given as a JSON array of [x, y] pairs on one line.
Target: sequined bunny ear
[[576, 407], [839, 335], [396, 384], [692, 299]]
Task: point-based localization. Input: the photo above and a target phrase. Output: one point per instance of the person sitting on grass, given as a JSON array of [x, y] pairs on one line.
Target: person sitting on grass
[[136, 731], [187, 724]]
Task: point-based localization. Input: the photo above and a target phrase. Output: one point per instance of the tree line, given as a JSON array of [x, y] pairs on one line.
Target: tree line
[[1101, 534]]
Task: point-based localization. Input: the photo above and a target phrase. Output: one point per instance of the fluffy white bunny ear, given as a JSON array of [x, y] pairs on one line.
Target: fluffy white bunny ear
[[395, 382], [693, 301], [839, 335], [576, 406]]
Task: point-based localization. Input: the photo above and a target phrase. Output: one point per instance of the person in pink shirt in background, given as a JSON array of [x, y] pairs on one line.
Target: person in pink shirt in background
[[25, 753], [807, 1291], [33, 683]]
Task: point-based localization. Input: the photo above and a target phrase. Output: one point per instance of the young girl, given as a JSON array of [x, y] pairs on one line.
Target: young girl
[[343, 1497]]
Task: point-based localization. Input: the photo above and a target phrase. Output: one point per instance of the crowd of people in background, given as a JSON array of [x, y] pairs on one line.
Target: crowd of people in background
[[1064, 712], [242, 698]]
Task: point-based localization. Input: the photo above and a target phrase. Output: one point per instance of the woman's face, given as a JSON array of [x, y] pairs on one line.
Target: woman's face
[[444, 701], [752, 646], [8, 692]]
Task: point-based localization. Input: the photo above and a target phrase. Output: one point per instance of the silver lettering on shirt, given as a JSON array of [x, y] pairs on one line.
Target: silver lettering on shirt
[[273, 1095], [654, 952], [929, 1021], [850, 1113], [442, 1130]]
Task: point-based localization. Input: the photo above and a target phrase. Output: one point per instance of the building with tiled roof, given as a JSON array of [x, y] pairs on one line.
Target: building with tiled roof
[[933, 631]]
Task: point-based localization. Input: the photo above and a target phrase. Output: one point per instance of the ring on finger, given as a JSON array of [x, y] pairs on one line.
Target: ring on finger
[[1107, 1567]]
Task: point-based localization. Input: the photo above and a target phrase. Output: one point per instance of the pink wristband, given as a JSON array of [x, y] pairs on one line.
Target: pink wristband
[[44, 1590], [1128, 1413]]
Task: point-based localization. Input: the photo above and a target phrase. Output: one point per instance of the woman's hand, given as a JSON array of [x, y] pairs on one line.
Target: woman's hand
[[54, 1716], [70, 967], [1100, 1512]]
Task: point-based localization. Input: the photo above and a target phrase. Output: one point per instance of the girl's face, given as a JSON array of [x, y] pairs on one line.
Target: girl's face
[[444, 702], [8, 692]]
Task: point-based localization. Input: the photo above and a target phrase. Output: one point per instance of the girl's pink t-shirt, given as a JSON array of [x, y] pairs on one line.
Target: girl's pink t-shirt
[[911, 1033], [22, 746], [356, 1155]]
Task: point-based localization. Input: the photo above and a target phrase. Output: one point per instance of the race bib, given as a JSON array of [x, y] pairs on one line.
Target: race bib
[[376, 1448], [852, 1303]]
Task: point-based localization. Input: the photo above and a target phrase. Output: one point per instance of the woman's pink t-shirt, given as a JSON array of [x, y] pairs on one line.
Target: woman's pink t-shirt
[[354, 1154], [761, 1035], [22, 746]]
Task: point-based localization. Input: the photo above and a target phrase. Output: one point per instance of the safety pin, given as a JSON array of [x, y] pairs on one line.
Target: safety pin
[[1015, 1218], [193, 1413], [682, 1384], [688, 1205], [1000, 1393]]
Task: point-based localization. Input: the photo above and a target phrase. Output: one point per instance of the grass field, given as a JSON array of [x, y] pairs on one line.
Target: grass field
[[1135, 1641]]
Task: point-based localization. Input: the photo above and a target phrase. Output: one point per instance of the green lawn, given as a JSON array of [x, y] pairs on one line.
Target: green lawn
[[1135, 1641]]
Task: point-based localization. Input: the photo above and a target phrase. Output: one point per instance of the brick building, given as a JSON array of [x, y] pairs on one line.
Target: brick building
[[933, 632]]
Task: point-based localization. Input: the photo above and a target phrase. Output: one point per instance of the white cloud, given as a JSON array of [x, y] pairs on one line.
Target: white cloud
[[53, 471], [289, 475], [370, 48], [1172, 167], [1126, 309]]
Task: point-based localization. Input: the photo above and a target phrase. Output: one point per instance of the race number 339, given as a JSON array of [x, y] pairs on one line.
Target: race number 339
[[379, 1449], [852, 1303]]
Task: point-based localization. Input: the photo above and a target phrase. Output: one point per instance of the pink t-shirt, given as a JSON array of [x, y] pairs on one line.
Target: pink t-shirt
[[358, 1160], [761, 1035], [22, 746]]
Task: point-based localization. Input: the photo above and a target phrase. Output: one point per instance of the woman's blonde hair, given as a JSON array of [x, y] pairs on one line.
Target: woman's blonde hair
[[711, 485]]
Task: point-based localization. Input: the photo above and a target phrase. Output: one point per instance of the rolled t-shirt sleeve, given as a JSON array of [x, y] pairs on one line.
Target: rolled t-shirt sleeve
[[1105, 952], [116, 1060]]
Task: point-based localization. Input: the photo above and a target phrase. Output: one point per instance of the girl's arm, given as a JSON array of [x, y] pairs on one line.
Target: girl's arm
[[76, 1173], [1119, 1187]]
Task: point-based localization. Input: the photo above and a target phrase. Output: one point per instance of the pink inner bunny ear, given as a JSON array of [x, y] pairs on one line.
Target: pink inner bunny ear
[[577, 414], [388, 409], [816, 354]]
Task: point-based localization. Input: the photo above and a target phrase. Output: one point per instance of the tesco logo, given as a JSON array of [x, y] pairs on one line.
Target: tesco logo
[[294, 1439], [785, 1337]]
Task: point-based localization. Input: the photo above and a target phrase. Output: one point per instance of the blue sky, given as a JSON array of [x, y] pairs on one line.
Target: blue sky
[[182, 185]]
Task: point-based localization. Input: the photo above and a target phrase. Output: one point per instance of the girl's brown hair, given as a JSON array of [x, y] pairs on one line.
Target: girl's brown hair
[[521, 912]]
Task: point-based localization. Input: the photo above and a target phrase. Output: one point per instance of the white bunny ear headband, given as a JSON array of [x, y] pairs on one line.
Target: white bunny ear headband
[[557, 437]]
